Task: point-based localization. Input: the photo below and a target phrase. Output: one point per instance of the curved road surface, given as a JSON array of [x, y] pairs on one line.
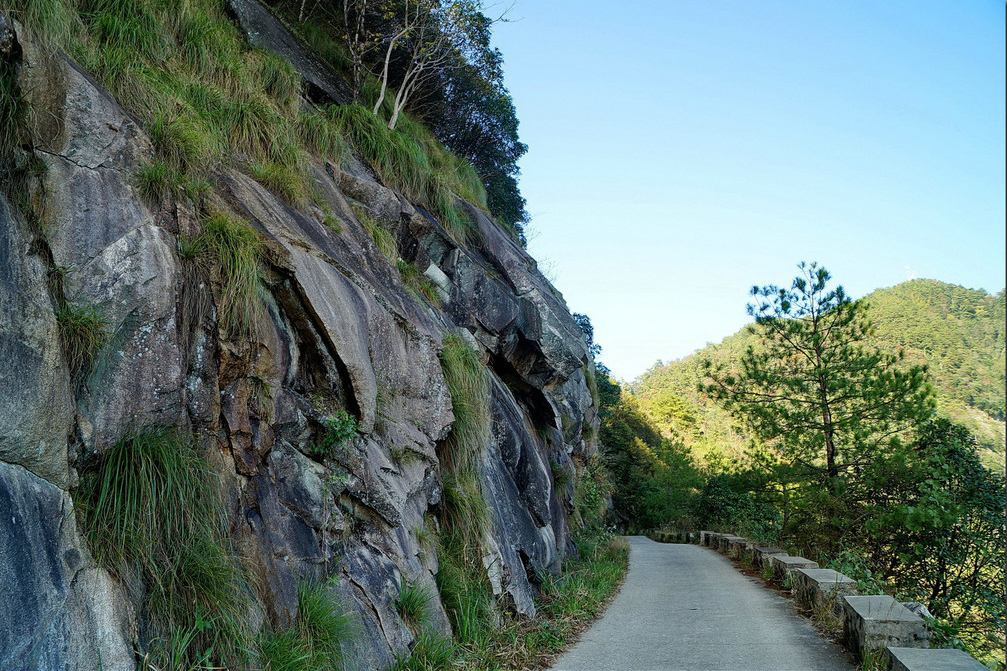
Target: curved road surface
[[686, 608]]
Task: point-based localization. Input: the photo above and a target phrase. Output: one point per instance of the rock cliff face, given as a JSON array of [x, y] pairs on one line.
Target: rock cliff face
[[337, 329]]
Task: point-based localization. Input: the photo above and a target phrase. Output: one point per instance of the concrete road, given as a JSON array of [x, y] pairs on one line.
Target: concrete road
[[686, 608]]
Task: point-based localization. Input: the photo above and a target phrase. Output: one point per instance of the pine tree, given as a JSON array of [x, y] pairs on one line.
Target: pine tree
[[811, 387]]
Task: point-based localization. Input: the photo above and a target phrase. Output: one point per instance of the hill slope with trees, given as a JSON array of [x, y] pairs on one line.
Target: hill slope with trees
[[957, 332]]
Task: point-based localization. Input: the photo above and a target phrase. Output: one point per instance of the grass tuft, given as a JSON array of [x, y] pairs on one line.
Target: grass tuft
[[383, 240], [277, 77], [182, 141], [156, 181], [237, 250], [321, 136], [83, 332], [418, 283], [53, 22], [318, 638], [431, 652], [411, 604], [412, 161], [12, 109], [148, 510], [291, 183], [468, 384]]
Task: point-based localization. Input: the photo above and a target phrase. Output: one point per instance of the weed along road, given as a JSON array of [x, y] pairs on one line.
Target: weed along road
[[686, 608]]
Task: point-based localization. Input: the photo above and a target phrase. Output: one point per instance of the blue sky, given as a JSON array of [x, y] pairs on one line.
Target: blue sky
[[681, 152]]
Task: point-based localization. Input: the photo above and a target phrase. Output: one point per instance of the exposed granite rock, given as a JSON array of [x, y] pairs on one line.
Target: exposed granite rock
[[57, 610], [36, 411], [114, 254], [338, 331]]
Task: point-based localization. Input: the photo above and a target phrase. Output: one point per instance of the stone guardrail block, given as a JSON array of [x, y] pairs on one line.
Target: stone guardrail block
[[713, 539], [763, 555], [784, 564], [736, 547], [725, 542], [876, 622], [926, 659], [822, 588]]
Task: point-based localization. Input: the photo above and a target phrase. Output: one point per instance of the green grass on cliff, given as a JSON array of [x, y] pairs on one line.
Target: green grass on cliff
[[208, 99], [464, 519], [468, 384], [151, 513], [411, 160], [567, 605], [12, 110], [83, 331], [236, 250], [486, 636], [316, 640]]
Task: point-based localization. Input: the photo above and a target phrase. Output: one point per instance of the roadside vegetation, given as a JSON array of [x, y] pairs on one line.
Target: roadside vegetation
[[812, 431]]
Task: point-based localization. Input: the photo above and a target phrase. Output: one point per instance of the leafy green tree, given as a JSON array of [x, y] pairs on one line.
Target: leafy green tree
[[935, 531], [811, 387]]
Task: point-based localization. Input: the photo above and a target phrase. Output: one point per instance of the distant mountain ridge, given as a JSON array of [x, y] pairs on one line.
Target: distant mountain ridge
[[958, 332]]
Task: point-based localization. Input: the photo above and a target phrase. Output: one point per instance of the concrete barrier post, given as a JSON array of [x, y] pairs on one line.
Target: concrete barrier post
[[764, 556], [783, 565], [872, 623], [725, 542], [818, 588], [920, 659]]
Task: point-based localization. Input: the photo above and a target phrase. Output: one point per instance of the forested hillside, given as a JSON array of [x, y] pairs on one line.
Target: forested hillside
[[957, 332]]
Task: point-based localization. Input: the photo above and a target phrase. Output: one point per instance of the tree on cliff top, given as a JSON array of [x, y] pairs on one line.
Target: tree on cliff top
[[811, 387]]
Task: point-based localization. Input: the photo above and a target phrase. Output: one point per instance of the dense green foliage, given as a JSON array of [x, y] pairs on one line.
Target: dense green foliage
[[653, 477], [340, 428], [936, 532], [959, 332]]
